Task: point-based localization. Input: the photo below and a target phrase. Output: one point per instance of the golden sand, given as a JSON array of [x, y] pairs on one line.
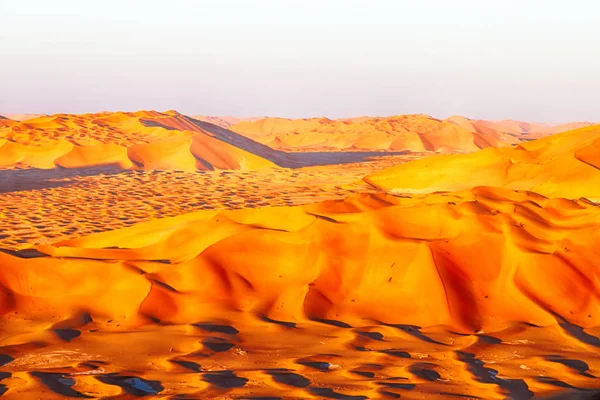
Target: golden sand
[[415, 133], [130, 270]]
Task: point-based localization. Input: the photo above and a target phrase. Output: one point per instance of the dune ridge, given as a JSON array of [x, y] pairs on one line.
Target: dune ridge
[[562, 165], [415, 133], [339, 260], [224, 121], [150, 140], [142, 140], [469, 276], [20, 117], [521, 129]]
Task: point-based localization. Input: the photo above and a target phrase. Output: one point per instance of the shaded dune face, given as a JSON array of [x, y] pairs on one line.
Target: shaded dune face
[[563, 165], [415, 133], [150, 140], [145, 140], [472, 261]]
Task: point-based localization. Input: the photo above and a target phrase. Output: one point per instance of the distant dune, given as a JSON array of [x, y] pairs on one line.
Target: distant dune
[[562, 165], [21, 117], [172, 141], [225, 122], [140, 140], [415, 133], [519, 130]]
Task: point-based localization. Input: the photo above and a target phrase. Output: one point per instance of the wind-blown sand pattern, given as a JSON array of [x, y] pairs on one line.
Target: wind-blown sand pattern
[[141, 140], [101, 199], [563, 165], [142, 268], [415, 133]]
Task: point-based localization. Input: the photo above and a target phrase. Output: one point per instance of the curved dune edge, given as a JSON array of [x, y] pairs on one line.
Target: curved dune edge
[[474, 260], [415, 133], [42, 156], [563, 165], [95, 155], [142, 140]]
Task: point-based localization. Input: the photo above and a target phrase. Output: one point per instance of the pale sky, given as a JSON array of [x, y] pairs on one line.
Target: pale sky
[[536, 60]]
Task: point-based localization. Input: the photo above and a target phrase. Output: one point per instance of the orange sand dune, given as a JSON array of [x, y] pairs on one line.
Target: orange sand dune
[[339, 260], [410, 132], [563, 165], [140, 140], [414, 133], [487, 293], [144, 140], [98, 199], [21, 117], [518, 129], [225, 122], [93, 155], [484, 286]]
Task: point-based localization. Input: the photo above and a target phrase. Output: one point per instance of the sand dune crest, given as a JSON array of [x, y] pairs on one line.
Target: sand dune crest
[[563, 165]]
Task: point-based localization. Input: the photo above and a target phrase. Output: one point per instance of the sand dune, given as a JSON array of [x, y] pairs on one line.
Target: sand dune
[[150, 140], [225, 122], [153, 140], [21, 117], [106, 198], [142, 140], [95, 155], [518, 129], [368, 297], [453, 276], [343, 260], [414, 133], [411, 132], [562, 165]]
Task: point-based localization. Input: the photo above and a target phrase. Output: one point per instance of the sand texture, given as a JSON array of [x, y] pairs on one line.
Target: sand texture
[[563, 165], [415, 133], [157, 255]]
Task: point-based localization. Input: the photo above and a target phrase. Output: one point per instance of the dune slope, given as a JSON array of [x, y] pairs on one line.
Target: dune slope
[[415, 133], [142, 140], [485, 286], [563, 165], [339, 260]]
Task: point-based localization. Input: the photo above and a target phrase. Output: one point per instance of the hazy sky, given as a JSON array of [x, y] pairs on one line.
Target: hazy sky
[[521, 59]]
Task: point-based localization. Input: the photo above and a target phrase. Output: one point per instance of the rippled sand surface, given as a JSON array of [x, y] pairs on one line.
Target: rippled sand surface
[[463, 276]]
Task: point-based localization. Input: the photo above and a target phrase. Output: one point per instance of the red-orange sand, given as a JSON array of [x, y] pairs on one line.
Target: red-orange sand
[[156, 255]]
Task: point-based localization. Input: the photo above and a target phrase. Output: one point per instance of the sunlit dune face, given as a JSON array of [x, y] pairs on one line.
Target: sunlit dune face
[[155, 255], [563, 165], [415, 133], [145, 140], [375, 295]]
